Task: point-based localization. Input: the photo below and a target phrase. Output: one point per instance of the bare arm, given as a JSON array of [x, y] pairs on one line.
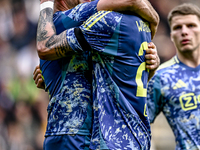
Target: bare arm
[[49, 45], [141, 7]]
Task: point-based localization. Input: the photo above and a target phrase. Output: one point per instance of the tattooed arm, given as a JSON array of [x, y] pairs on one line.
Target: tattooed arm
[[49, 45], [141, 7]]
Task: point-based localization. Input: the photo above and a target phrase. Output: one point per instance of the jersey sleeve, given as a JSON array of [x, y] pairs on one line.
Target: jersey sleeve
[[154, 97], [73, 41], [74, 17], [83, 11], [97, 32]]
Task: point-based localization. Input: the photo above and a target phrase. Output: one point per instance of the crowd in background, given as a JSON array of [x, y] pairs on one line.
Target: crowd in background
[[22, 106], [23, 112]]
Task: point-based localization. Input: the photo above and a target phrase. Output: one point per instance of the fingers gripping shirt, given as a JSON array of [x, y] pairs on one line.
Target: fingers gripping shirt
[[67, 81], [175, 90], [119, 80]]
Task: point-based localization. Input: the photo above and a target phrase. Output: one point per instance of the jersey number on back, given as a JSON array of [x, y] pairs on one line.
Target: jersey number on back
[[141, 91]]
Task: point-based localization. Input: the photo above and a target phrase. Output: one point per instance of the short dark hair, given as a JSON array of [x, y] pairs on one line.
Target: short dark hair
[[184, 9]]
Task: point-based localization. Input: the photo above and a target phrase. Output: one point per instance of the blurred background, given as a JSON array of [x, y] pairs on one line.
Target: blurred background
[[23, 112]]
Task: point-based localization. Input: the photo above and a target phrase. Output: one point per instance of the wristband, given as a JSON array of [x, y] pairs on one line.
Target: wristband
[[48, 4]]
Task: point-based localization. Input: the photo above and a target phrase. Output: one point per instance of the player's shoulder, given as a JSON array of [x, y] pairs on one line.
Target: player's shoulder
[[167, 69], [87, 6], [169, 65], [83, 11]]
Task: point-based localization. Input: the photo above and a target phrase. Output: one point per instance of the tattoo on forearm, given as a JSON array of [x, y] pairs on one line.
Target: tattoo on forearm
[[58, 43], [62, 48], [52, 40], [44, 19]]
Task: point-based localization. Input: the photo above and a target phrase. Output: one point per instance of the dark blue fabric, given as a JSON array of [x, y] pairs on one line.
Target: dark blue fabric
[[67, 142]]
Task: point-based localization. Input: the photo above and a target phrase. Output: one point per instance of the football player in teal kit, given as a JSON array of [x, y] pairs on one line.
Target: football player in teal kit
[[175, 88]]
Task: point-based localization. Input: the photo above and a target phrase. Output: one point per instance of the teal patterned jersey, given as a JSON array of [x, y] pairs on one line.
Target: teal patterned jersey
[[68, 80], [118, 44], [175, 91]]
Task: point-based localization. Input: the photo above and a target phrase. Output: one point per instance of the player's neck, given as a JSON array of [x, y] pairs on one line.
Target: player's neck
[[190, 60]]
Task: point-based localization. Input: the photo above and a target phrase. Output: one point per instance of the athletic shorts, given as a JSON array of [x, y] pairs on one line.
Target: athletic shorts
[[67, 142]]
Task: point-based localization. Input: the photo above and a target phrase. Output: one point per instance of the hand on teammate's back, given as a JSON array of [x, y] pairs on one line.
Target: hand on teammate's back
[[152, 58], [37, 76]]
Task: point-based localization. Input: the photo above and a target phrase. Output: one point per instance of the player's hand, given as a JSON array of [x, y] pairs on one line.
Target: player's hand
[[152, 58], [37, 77]]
